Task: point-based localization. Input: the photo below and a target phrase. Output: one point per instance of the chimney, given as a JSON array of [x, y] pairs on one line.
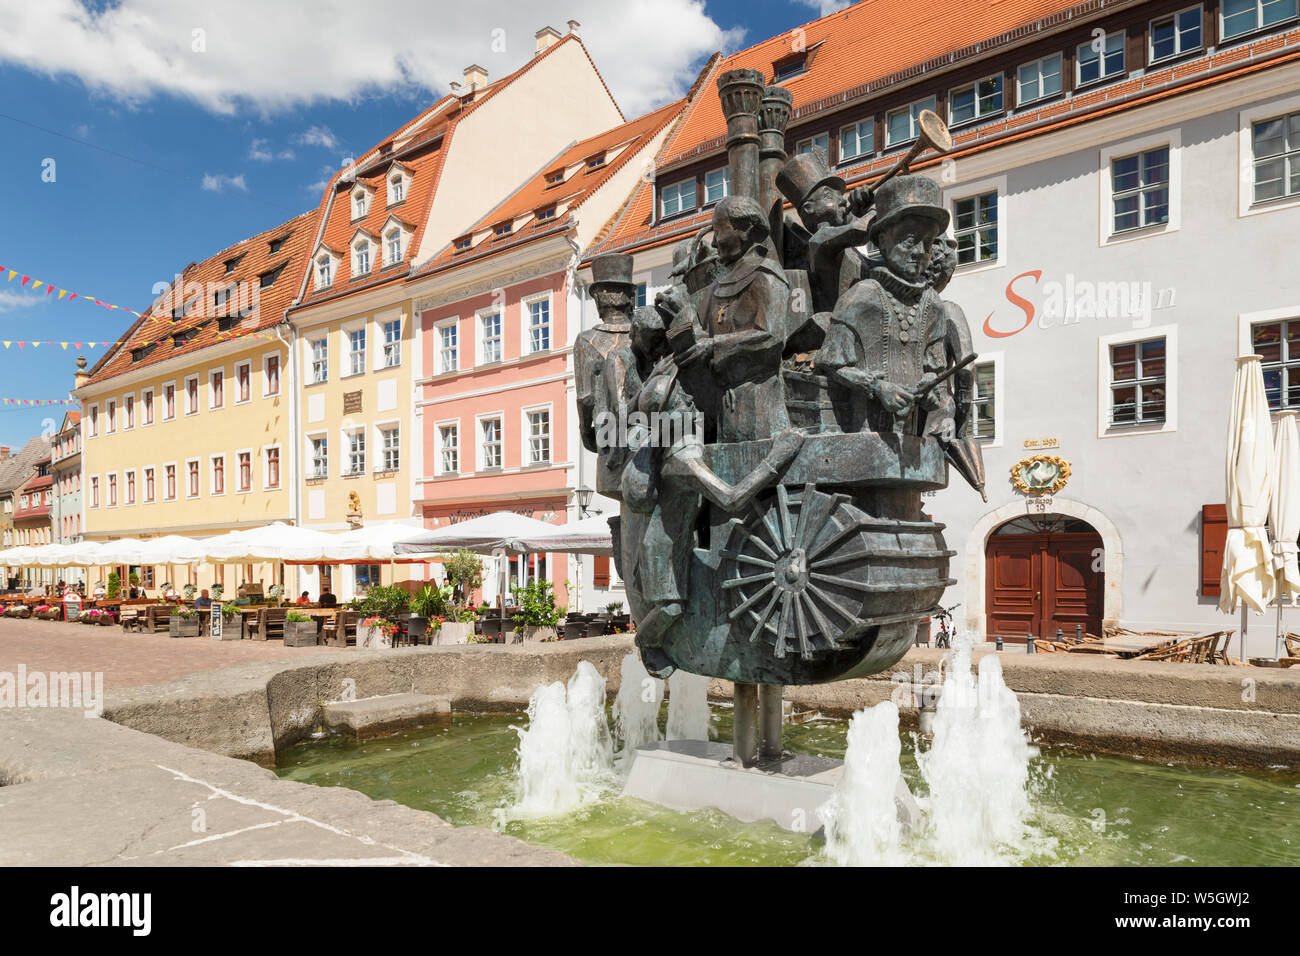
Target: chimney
[[82, 376], [547, 37], [475, 77], [4, 452], [455, 88], [573, 27]]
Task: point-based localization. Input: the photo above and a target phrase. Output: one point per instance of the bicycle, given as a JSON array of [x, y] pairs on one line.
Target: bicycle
[[944, 616]]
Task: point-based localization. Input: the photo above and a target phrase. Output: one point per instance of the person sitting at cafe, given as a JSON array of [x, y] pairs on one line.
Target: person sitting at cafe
[[328, 600], [304, 599], [203, 600]]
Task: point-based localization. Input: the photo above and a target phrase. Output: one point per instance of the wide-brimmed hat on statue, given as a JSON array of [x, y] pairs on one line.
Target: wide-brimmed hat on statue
[[613, 268], [805, 173], [908, 195]]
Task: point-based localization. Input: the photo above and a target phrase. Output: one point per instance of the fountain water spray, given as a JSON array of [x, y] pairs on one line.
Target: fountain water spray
[[861, 817], [636, 708], [688, 706]]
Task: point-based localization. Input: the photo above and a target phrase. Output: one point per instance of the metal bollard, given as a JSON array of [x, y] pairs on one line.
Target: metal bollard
[[999, 642], [1029, 644], [1078, 633]]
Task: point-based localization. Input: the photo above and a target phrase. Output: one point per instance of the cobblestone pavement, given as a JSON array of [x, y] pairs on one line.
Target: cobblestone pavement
[[127, 659]]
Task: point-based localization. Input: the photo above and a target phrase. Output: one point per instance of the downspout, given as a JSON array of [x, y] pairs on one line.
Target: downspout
[[572, 276], [288, 371]]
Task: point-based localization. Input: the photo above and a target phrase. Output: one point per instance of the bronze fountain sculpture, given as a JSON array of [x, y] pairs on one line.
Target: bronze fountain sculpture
[[787, 400]]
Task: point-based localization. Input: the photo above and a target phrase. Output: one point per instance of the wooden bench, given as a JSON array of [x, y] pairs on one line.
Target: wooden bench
[[341, 630], [157, 618], [268, 624]]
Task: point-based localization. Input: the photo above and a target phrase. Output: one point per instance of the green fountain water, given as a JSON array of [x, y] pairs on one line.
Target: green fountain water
[[1087, 809]]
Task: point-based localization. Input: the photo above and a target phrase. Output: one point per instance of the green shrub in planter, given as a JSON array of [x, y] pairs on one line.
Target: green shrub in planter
[[300, 630]]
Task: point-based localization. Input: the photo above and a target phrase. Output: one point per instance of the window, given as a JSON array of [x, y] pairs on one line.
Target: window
[[903, 125], [94, 491], [129, 405], [324, 272], [1137, 389], [112, 492], [1275, 145], [390, 449], [821, 141], [218, 475], [170, 472], [217, 389], [243, 381], [975, 224], [112, 417], [503, 228], [192, 474], [463, 243], [1039, 79], [1140, 189], [360, 202], [169, 402], [596, 161], [447, 338], [717, 183], [677, 198], [397, 182], [146, 398], [192, 395], [539, 325], [1100, 58], [539, 438], [361, 258], [1278, 344], [392, 246], [320, 457], [267, 279], [490, 336], [640, 295], [1243, 16], [858, 139], [148, 485], [392, 343], [320, 360], [966, 103], [448, 449], [490, 442], [545, 215], [130, 487], [1174, 35], [245, 471], [94, 421], [271, 375], [789, 68], [356, 351], [275, 245], [555, 177], [356, 452]]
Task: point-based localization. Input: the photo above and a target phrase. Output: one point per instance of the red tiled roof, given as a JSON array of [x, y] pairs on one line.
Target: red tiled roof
[[254, 258], [579, 184]]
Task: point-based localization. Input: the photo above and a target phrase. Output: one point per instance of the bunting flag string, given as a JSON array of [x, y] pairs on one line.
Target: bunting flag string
[[37, 283], [41, 401], [222, 336]]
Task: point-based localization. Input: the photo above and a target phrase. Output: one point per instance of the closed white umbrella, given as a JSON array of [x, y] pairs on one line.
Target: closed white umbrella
[[1284, 512], [1247, 577]]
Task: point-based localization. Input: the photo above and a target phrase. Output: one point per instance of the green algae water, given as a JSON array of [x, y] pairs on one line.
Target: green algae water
[[1088, 809]]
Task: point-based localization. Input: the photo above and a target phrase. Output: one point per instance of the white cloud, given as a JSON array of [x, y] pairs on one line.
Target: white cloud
[[825, 7], [220, 183], [257, 150], [10, 300], [318, 136], [262, 55]]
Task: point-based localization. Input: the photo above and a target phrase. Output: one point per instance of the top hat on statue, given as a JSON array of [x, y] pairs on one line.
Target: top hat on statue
[[807, 172], [614, 268], [908, 196]]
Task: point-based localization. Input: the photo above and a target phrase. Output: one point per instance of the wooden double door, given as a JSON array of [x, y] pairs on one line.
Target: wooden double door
[[1040, 582]]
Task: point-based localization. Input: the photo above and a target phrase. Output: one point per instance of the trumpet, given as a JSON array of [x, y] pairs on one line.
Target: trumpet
[[934, 134]]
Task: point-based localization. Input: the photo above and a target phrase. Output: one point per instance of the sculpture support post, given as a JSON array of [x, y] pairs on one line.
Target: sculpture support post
[[745, 728], [741, 92], [770, 720]]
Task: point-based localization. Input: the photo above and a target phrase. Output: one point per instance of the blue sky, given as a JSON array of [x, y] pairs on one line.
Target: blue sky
[[139, 136]]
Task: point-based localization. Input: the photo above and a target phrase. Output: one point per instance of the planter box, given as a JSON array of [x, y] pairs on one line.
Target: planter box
[[183, 627], [105, 620], [537, 634], [232, 628], [300, 634], [453, 633], [371, 637]]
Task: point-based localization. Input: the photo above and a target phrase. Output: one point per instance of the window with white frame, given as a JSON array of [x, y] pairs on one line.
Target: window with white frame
[[192, 476], [271, 468], [392, 333], [1275, 157], [393, 246], [320, 359], [399, 181], [1140, 189], [360, 202], [820, 141], [1137, 382], [192, 395], [489, 324], [1099, 59], [1039, 79], [128, 404], [245, 461], [448, 346], [94, 421], [976, 100], [112, 415], [857, 140], [356, 339], [640, 295], [904, 124], [356, 445], [677, 198], [271, 375], [146, 400], [1239, 17], [390, 448], [149, 487], [539, 437], [216, 389], [448, 449], [361, 257], [112, 491], [243, 382], [539, 324], [218, 484], [983, 419], [1175, 34], [130, 487], [320, 457], [170, 473], [1278, 344], [324, 271], [94, 491], [717, 184], [169, 401], [975, 225], [490, 443]]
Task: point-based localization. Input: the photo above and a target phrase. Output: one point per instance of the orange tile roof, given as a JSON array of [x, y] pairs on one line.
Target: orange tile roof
[[254, 258], [580, 182]]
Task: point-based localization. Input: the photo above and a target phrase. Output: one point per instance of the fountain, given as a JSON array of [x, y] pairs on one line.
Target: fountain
[[688, 707], [636, 707], [861, 821]]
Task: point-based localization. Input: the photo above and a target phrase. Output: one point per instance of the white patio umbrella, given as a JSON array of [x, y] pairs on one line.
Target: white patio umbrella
[[1247, 577], [1284, 513], [588, 536]]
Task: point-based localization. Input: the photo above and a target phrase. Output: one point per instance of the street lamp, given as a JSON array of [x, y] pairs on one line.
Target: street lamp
[[583, 494]]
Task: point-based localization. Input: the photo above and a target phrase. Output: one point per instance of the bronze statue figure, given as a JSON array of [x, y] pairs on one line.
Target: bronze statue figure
[[614, 293]]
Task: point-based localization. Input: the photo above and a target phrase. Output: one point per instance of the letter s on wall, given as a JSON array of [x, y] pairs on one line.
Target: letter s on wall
[[1021, 303]]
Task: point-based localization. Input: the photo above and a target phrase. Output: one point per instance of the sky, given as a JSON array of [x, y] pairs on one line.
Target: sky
[[138, 136]]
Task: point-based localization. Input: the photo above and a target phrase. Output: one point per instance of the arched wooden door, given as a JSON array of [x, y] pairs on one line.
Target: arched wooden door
[[1043, 573]]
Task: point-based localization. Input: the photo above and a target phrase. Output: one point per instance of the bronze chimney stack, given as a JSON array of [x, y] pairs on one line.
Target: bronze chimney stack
[[741, 93], [773, 118]]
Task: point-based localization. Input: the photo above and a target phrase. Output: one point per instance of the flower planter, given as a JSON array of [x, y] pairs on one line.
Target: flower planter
[[453, 632], [232, 627], [372, 637], [300, 634], [537, 633], [104, 620], [183, 626]]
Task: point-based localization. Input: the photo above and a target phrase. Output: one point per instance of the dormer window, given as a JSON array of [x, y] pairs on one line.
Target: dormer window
[[399, 182], [789, 68], [231, 264], [360, 202], [324, 271], [463, 244], [277, 244], [597, 161], [503, 229], [361, 262], [265, 280], [392, 246], [140, 353], [555, 178], [546, 215]]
